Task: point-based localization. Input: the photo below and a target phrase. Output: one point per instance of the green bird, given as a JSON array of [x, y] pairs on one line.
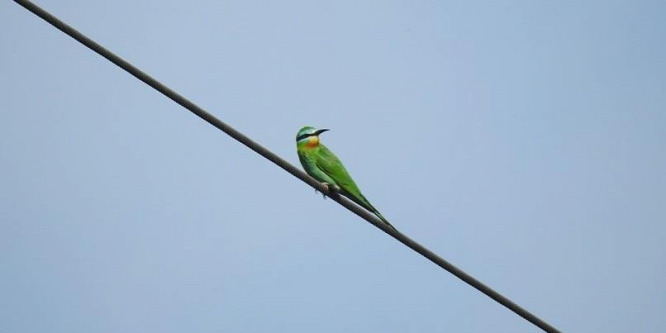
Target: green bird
[[324, 166]]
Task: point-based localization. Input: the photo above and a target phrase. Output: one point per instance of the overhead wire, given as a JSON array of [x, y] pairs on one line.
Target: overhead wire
[[245, 140]]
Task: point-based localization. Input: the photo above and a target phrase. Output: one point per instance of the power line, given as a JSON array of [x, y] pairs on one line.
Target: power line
[[240, 137]]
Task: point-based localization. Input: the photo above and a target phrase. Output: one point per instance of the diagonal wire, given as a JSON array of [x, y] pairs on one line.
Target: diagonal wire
[[240, 137]]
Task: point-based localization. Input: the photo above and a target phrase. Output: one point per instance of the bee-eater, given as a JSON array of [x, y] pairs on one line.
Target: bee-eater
[[324, 166]]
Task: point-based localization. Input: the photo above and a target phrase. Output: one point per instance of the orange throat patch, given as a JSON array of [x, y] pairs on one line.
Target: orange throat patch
[[313, 141]]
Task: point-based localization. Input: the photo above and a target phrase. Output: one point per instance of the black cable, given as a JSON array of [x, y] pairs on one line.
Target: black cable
[[240, 137]]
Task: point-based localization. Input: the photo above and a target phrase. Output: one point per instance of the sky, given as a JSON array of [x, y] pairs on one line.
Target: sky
[[523, 141]]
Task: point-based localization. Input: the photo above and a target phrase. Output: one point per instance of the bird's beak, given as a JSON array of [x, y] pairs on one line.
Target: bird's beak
[[321, 131]]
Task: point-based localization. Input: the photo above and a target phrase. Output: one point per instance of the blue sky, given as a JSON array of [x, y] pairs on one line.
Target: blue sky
[[521, 140]]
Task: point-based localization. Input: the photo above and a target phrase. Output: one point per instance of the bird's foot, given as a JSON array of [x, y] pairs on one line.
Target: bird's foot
[[329, 189]]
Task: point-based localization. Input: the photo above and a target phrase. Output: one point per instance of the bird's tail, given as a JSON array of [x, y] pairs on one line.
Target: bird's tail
[[379, 215], [363, 202]]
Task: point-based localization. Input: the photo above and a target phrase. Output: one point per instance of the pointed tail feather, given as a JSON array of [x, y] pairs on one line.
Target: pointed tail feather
[[376, 212], [363, 202]]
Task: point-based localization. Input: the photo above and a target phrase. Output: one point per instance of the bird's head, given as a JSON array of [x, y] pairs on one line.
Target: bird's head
[[309, 136]]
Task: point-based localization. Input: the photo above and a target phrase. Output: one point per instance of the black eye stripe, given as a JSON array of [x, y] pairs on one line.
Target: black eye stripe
[[303, 136]]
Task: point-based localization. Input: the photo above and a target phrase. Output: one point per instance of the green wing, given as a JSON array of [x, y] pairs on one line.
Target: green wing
[[331, 165]]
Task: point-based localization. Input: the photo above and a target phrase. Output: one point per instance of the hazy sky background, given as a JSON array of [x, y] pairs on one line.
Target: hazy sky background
[[524, 141]]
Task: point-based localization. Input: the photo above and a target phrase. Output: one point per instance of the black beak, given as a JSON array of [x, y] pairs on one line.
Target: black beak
[[317, 132]]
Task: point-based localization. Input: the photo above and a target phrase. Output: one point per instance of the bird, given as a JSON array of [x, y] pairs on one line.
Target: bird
[[320, 163]]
